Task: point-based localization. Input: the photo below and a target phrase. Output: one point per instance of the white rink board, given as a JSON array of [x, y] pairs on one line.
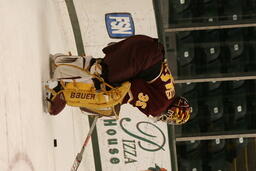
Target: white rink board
[[114, 151], [91, 16], [29, 31], [133, 142]]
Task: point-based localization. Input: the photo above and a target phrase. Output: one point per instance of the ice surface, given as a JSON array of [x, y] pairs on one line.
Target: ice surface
[[29, 31]]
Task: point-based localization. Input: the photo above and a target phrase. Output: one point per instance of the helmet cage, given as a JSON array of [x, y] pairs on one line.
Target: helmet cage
[[178, 113]]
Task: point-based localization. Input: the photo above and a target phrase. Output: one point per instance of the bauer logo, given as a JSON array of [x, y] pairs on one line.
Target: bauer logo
[[119, 25]]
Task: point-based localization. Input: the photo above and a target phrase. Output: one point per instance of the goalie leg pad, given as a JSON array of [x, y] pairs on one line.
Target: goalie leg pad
[[70, 72], [66, 66], [79, 61]]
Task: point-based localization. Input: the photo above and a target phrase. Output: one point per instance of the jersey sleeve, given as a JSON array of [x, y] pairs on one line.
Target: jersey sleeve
[[130, 57], [148, 99]]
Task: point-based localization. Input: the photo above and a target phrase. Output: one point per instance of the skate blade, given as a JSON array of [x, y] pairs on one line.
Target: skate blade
[[45, 102]]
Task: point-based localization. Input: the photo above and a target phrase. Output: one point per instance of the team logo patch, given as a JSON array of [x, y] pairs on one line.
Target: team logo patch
[[119, 25]]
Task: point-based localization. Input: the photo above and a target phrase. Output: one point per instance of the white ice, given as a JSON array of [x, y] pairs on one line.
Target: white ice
[[29, 31]]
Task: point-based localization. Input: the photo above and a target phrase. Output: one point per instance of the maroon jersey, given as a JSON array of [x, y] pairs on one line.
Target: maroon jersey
[[136, 59], [129, 57], [152, 98]]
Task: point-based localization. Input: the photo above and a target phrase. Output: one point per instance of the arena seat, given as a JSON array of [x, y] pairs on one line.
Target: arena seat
[[181, 5], [214, 67], [186, 147], [183, 34], [237, 106], [234, 147], [191, 128], [214, 127], [180, 12], [209, 12], [215, 146], [234, 85], [187, 70], [185, 50], [192, 161], [235, 42], [218, 162], [231, 11], [212, 86], [214, 108], [211, 45], [187, 87]]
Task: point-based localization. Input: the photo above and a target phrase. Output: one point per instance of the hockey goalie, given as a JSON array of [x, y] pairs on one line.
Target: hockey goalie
[[132, 71]]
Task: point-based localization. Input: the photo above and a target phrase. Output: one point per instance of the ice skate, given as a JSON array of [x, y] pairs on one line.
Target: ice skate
[[54, 97]]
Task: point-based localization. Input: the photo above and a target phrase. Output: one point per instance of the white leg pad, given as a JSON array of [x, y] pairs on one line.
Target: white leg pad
[[64, 71], [71, 66], [79, 61]]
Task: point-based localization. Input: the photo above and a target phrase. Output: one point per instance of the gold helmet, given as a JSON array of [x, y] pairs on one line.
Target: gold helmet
[[177, 113]]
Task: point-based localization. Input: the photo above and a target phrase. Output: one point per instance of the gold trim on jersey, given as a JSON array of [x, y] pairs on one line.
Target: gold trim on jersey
[[130, 96]]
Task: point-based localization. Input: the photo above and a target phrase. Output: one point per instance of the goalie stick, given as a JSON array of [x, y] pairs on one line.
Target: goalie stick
[[79, 155]]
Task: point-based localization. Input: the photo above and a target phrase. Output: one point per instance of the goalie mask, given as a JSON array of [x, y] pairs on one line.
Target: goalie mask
[[177, 113]]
